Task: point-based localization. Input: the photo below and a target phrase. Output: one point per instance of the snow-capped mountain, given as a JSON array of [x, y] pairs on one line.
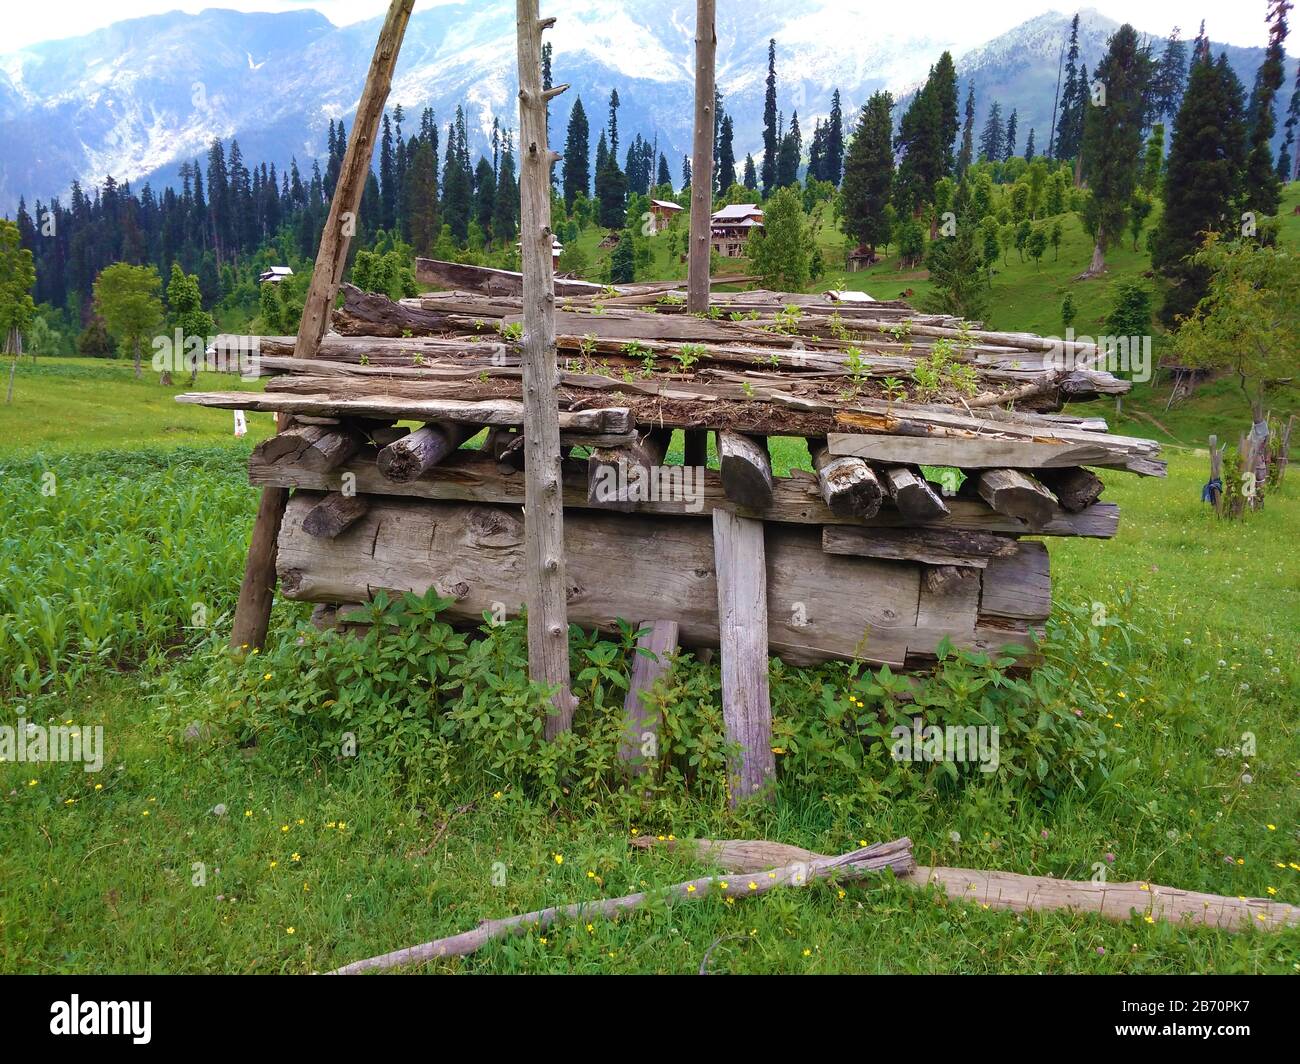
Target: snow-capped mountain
[[136, 99]]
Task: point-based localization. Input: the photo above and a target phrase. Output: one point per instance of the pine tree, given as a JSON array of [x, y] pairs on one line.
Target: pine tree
[[505, 216], [869, 174], [1170, 77], [387, 176], [485, 196], [1029, 147], [1203, 178], [1285, 161], [1009, 144], [1067, 137], [787, 166], [686, 172], [771, 146], [750, 180], [833, 156], [991, 138], [664, 177], [420, 191], [967, 154], [1112, 141], [817, 153], [1263, 189], [925, 138], [577, 155], [726, 156], [457, 190]]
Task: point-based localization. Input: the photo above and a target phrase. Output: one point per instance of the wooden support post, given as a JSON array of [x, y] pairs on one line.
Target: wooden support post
[[706, 50], [740, 563], [640, 744], [697, 448], [746, 470], [548, 614], [253, 613]]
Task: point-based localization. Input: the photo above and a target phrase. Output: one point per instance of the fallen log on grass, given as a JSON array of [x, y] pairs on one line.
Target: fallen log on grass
[[1020, 893], [798, 873]]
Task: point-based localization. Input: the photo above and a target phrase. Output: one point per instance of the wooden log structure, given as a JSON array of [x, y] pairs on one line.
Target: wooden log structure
[[849, 486], [410, 457], [1013, 493]]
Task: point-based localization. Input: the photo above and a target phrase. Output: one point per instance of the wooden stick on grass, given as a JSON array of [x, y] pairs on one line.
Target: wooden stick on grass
[[1019, 893], [797, 873]]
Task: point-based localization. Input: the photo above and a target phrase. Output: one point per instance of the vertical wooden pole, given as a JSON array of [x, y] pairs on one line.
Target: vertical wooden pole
[[548, 607], [740, 562], [640, 745], [706, 51], [253, 614]]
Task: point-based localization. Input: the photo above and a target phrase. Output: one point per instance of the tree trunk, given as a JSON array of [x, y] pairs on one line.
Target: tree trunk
[[548, 615], [253, 612], [706, 48], [1098, 265]]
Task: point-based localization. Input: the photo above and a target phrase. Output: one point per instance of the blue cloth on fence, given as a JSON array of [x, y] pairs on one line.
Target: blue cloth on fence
[[1213, 488]]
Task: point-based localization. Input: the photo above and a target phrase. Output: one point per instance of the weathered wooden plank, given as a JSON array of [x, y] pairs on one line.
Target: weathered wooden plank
[[482, 412], [1013, 493], [473, 477], [912, 494], [1019, 586], [741, 564], [335, 514], [945, 580], [460, 277], [931, 546], [651, 661], [989, 453], [848, 485], [820, 606], [746, 470]]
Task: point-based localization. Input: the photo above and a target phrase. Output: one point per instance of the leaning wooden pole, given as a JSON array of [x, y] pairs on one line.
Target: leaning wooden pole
[[706, 51], [548, 610], [253, 613]]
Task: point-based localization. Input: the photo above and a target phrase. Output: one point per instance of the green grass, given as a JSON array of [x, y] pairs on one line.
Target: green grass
[[104, 880]]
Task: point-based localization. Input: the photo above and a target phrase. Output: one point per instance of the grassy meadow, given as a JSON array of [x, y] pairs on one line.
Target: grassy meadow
[[217, 838]]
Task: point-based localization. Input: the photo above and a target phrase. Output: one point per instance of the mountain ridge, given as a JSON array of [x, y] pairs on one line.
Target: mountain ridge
[[139, 97]]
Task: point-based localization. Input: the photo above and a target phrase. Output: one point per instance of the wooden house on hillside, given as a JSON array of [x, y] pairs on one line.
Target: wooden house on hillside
[[732, 226], [664, 211]]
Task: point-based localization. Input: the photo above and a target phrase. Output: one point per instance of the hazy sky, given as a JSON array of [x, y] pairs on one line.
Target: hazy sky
[[1233, 21]]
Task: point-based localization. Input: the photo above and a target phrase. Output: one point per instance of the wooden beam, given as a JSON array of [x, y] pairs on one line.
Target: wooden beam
[[620, 478], [335, 514], [1075, 489], [1010, 492], [740, 561], [410, 457], [548, 617], [746, 470], [932, 546], [848, 485], [696, 443], [1019, 586], [706, 50], [972, 452], [657, 644], [256, 593], [470, 476], [912, 494]]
